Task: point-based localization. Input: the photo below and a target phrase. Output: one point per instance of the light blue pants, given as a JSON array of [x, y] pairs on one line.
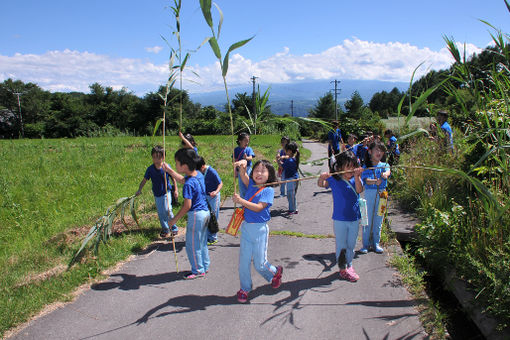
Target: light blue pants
[[346, 234], [374, 220], [254, 237], [162, 204], [283, 185], [196, 241], [291, 195], [242, 187], [214, 203]]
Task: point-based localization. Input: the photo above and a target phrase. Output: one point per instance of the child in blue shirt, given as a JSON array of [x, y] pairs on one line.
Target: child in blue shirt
[[283, 142], [446, 129], [392, 146], [243, 151], [346, 211], [188, 141], [290, 164], [161, 189], [375, 182], [195, 205], [254, 229], [213, 185]]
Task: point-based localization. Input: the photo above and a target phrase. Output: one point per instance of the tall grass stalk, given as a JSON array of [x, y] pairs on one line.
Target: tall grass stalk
[[205, 5]]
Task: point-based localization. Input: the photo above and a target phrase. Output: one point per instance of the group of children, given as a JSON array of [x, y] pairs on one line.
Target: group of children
[[201, 197]]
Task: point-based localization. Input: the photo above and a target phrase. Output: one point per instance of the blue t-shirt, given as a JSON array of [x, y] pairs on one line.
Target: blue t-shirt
[[369, 174], [239, 153], [290, 167], [194, 189], [157, 177], [360, 152], [265, 196], [212, 179], [335, 137], [448, 130], [393, 146], [345, 200]]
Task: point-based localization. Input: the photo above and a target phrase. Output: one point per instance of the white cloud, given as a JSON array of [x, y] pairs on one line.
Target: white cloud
[[352, 59], [155, 49]]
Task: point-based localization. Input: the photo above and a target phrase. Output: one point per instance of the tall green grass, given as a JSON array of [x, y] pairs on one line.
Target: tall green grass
[[52, 192]]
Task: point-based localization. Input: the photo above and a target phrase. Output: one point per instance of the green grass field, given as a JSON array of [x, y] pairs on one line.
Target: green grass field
[[51, 193]]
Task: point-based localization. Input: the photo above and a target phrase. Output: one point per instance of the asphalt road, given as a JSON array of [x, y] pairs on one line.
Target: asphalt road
[[147, 299]]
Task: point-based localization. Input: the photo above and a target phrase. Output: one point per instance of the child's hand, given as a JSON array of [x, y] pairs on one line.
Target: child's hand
[[324, 176], [358, 172], [236, 198], [242, 163], [165, 167]]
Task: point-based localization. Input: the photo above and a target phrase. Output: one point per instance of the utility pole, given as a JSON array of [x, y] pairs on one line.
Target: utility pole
[[337, 92], [254, 106], [18, 94], [292, 108]]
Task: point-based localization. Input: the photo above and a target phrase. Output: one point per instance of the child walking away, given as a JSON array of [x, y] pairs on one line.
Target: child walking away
[[346, 210], [290, 164], [195, 205], [284, 141], [254, 230], [375, 184], [188, 141], [213, 185], [161, 189], [392, 146], [243, 151]]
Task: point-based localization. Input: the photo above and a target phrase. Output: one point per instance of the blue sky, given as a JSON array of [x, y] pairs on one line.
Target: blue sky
[[68, 45]]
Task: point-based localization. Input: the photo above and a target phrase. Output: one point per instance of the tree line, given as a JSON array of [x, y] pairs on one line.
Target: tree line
[[114, 112]]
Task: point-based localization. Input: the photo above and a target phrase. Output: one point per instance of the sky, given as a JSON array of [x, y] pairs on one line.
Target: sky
[[64, 45]]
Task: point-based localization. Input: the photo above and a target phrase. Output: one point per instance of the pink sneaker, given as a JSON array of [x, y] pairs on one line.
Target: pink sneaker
[[353, 273], [346, 275], [242, 296], [277, 278]]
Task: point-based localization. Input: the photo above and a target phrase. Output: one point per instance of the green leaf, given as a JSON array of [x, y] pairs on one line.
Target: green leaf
[[205, 5], [184, 61], [220, 23], [158, 123], [215, 47], [230, 49]]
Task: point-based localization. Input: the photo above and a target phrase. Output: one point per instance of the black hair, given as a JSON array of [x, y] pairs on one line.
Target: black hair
[[374, 145], [272, 173], [242, 136], [158, 150], [293, 147], [188, 157], [200, 162], [388, 132], [443, 113], [285, 139], [190, 139], [352, 135], [343, 159]]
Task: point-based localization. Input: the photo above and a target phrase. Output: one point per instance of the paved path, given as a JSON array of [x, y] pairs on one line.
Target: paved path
[[146, 298]]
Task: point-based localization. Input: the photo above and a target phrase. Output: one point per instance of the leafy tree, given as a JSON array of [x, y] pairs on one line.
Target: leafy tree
[[354, 105]]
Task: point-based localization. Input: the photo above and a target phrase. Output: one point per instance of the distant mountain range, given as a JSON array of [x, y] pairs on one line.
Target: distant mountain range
[[303, 94]]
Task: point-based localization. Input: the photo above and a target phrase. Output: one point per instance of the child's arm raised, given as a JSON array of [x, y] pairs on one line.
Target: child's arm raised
[[256, 207], [175, 175], [242, 171], [322, 181], [185, 141], [357, 180]]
